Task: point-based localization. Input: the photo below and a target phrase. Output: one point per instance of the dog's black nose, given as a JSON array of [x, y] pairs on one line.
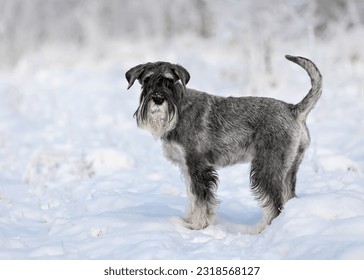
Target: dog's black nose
[[158, 99]]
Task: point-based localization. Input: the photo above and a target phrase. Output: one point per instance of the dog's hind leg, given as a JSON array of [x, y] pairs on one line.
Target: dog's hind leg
[[291, 176], [267, 183]]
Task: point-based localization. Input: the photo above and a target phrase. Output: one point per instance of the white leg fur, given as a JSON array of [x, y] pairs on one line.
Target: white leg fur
[[197, 216]]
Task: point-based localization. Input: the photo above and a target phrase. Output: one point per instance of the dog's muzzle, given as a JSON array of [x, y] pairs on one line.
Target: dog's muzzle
[[158, 99]]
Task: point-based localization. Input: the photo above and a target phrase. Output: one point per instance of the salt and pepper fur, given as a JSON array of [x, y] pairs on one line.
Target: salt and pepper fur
[[201, 132]]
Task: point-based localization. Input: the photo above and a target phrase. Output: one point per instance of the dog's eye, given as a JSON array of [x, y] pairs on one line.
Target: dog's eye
[[146, 80]]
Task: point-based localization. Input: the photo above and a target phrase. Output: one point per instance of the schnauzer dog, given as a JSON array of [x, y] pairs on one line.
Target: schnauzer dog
[[202, 132]]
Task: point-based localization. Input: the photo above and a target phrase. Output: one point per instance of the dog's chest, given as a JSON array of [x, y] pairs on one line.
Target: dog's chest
[[174, 152]]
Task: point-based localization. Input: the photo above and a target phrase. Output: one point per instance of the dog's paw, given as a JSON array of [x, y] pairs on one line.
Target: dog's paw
[[187, 219], [200, 218], [255, 230], [196, 226]]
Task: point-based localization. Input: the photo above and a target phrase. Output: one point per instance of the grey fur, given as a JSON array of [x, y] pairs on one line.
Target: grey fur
[[202, 132]]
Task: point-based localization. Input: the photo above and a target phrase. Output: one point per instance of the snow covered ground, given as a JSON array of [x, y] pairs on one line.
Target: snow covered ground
[[79, 180]]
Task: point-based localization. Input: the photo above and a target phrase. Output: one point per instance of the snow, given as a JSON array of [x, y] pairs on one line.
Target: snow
[[79, 180]]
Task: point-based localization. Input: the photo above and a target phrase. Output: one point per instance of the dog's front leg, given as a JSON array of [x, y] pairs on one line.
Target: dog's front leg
[[201, 183]]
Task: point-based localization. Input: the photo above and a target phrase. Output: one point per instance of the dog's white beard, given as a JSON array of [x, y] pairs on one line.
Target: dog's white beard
[[158, 121]]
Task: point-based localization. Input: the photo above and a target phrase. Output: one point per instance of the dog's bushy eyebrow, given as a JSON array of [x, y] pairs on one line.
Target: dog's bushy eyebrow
[[160, 81]]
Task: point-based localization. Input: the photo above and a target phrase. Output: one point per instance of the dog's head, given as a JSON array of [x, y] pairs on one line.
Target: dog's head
[[142, 72], [163, 86]]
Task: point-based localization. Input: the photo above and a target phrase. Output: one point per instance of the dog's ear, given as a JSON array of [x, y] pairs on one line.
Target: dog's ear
[[182, 74], [134, 73]]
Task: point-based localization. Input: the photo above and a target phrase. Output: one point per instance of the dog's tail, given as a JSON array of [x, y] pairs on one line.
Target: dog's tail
[[306, 105]]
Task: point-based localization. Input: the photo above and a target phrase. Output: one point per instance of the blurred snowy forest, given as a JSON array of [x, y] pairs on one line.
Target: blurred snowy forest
[[250, 25]]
